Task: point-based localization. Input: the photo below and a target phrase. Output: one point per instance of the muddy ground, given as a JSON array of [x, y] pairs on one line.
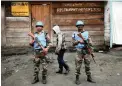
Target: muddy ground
[[17, 70]]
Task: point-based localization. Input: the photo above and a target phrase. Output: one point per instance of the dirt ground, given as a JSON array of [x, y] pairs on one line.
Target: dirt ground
[[17, 70]]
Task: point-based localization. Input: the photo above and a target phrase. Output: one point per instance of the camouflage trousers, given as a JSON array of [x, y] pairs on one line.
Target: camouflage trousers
[[81, 56], [40, 59]]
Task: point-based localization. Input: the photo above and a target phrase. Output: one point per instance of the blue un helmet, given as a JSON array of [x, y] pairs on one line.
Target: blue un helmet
[[39, 24], [79, 23]]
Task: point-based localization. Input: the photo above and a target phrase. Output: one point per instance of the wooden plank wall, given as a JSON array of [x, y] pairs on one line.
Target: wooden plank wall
[[107, 24], [3, 36], [65, 14], [16, 31]]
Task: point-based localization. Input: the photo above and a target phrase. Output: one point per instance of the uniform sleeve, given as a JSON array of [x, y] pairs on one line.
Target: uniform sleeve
[[90, 40], [49, 44], [90, 44]]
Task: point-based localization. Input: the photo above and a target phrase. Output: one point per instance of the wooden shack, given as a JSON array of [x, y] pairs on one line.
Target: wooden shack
[[20, 18]]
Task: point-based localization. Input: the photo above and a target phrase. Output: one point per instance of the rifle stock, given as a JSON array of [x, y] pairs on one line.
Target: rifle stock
[[31, 35]]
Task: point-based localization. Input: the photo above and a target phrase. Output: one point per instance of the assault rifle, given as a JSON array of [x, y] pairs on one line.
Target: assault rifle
[[37, 41], [88, 47]]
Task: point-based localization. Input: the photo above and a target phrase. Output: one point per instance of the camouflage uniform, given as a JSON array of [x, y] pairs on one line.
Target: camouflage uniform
[[40, 58], [82, 54]]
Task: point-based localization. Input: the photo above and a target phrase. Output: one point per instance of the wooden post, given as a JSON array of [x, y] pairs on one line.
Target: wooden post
[[3, 33]]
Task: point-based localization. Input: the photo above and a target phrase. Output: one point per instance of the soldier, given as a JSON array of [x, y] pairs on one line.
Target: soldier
[[82, 52], [41, 43], [60, 50]]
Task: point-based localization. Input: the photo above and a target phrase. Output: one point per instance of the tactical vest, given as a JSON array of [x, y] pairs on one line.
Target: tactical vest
[[41, 39], [85, 35]]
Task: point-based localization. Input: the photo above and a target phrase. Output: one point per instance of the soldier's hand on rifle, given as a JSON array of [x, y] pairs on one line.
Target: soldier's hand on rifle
[[31, 34], [74, 42], [31, 43], [45, 50], [81, 41]]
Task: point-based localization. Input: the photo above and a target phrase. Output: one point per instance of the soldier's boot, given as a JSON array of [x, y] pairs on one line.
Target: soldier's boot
[[44, 80], [89, 79], [36, 79], [77, 81]]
